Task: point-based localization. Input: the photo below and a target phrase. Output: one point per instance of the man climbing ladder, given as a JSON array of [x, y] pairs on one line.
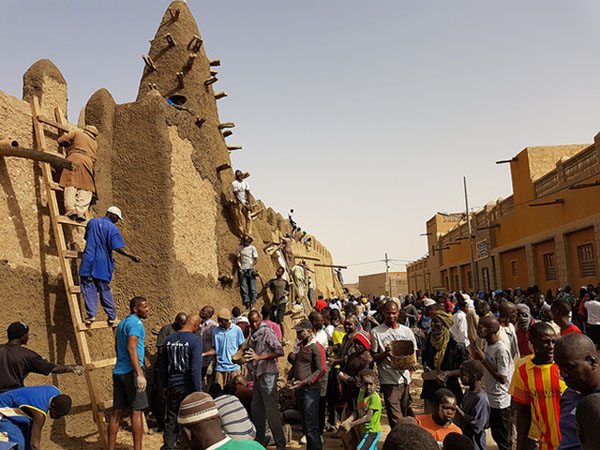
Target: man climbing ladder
[[97, 265], [79, 184]]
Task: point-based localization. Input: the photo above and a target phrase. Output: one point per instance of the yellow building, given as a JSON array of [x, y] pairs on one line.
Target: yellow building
[[391, 283], [547, 233]]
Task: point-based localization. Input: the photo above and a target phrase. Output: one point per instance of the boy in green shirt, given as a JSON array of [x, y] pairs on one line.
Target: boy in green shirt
[[368, 412]]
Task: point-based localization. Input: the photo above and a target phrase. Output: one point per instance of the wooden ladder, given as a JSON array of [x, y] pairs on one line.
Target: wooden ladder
[[65, 256]]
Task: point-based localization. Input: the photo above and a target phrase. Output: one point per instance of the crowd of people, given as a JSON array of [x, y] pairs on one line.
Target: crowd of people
[[488, 362], [522, 363]]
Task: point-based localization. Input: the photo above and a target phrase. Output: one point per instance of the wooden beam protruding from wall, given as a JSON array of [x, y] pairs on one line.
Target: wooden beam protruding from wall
[[36, 155], [190, 61], [335, 266], [170, 40], [310, 258], [226, 125], [219, 95], [195, 43], [149, 63], [214, 62], [174, 13]]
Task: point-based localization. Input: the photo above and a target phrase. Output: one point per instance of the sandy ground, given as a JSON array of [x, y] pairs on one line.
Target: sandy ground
[[331, 440]]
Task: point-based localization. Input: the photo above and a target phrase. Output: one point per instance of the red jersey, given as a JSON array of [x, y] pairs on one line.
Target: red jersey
[[571, 329]]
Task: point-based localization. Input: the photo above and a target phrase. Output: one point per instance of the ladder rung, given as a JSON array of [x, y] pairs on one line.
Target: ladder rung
[[52, 123], [96, 325], [73, 254], [67, 221], [56, 187], [100, 364], [75, 290], [103, 406]]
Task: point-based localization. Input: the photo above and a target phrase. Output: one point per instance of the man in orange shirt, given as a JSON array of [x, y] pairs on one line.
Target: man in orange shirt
[[536, 388], [439, 424]]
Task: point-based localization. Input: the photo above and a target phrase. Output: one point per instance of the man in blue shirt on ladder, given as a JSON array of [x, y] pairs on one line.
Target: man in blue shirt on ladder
[[97, 265]]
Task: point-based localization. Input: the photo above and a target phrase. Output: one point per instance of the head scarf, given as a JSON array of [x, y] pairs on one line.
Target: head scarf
[[364, 339], [440, 340], [524, 322]]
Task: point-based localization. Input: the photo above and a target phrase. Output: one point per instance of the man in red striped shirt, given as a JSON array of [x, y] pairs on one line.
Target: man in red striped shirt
[[536, 388]]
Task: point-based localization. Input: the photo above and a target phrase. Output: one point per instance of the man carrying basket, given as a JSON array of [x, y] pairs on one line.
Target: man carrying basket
[[393, 347]]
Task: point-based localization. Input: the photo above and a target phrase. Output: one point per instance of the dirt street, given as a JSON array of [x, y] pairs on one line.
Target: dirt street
[[331, 440]]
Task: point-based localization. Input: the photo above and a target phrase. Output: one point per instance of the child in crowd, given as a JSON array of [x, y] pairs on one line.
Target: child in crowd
[[368, 412], [439, 424], [496, 379], [476, 406]]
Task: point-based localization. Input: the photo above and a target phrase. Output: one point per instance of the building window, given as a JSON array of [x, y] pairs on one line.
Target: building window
[[587, 262], [485, 272], [549, 267], [513, 267]]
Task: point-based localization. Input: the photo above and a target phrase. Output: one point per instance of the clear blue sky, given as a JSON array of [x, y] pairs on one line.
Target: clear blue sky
[[361, 115]]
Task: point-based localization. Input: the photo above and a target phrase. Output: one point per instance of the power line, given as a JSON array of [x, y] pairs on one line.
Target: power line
[[392, 260]]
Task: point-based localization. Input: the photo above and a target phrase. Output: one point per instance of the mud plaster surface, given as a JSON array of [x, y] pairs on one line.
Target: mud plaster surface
[[194, 239]]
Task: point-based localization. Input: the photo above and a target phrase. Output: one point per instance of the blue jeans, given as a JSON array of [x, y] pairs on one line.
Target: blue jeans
[[18, 433], [265, 408], [308, 400], [90, 288], [247, 286]]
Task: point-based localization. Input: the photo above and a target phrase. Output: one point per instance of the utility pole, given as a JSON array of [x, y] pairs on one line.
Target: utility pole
[[474, 274], [388, 286]]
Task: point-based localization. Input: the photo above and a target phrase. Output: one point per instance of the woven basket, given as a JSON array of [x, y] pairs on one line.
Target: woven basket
[[403, 355]]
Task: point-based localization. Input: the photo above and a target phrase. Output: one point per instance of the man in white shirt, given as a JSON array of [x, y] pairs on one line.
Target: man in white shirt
[[496, 380], [394, 383], [242, 207], [246, 259], [507, 332], [592, 306], [459, 328]]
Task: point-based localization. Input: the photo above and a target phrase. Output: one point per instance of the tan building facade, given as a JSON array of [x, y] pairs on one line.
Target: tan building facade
[[546, 234], [391, 283]]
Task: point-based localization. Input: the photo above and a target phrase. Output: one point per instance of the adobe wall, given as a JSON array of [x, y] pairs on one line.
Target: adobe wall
[[159, 167]]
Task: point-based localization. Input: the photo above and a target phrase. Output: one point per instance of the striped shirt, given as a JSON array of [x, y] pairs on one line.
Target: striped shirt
[[235, 422], [540, 387]]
